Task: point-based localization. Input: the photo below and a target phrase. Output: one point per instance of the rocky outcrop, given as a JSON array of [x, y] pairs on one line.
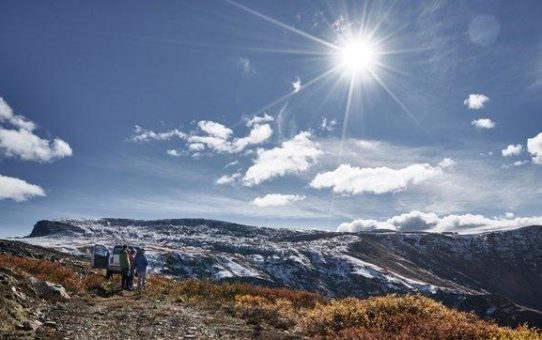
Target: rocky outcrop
[[49, 291], [48, 228]]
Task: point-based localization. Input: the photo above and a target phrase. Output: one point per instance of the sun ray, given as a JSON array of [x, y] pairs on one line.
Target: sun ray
[[283, 25], [290, 94], [396, 99], [223, 46], [346, 115]]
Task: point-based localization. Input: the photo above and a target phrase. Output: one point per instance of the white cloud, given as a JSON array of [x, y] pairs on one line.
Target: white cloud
[[534, 146], [414, 220], [476, 101], [447, 163], [259, 120], [7, 116], [21, 141], [296, 85], [213, 136], [515, 164], [362, 225], [347, 179], [328, 125], [483, 123], [18, 190], [275, 200], [258, 135], [142, 135], [232, 163], [219, 137], [512, 150], [228, 179], [27, 146], [246, 67], [419, 221], [291, 157], [215, 129], [174, 153]]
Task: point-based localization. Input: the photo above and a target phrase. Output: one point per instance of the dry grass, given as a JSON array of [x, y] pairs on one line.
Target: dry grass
[[306, 313], [43, 270]]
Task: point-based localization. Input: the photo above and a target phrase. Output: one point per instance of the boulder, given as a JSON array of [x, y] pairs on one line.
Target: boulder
[[29, 325], [49, 291]]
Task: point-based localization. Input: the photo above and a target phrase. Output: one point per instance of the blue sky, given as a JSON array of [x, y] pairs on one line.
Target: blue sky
[[259, 112]]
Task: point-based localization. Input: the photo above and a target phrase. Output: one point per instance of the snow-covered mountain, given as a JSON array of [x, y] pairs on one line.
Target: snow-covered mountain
[[491, 273]]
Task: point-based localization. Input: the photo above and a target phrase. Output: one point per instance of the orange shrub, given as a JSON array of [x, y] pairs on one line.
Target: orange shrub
[[43, 270], [401, 317], [258, 310]]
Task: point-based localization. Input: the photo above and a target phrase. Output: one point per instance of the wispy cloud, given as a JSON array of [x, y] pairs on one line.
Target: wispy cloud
[[212, 136], [246, 67], [143, 135], [256, 120], [8, 116], [174, 153], [218, 137], [228, 179], [296, 85], [515, 164], [328, 125]]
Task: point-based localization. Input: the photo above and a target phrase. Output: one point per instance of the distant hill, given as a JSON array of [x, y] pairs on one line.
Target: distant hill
[[498, 274]]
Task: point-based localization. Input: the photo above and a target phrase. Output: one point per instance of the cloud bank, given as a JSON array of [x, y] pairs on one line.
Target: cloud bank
[[351, 180], [420, 221]]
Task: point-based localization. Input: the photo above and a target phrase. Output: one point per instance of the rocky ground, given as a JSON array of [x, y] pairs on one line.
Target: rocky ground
[[135, 316], [28, 310]]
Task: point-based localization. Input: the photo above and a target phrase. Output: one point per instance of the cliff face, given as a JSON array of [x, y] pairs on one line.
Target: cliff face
[[490, 273]]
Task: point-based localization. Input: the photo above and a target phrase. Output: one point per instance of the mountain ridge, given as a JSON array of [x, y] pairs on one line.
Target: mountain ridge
[[497, 270]]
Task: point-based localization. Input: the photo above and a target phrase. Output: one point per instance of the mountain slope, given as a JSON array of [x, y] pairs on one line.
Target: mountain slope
[[80, 303], [490, 273]]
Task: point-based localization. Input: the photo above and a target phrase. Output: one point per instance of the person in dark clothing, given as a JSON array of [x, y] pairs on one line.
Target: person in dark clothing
[[124, 261], [141, 264]]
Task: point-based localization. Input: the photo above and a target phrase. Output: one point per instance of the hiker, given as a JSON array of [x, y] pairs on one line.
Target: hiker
[[141, 264], [132, 269], [124, 261]]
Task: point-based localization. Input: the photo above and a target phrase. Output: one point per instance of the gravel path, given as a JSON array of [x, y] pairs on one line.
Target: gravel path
[[132, 316]]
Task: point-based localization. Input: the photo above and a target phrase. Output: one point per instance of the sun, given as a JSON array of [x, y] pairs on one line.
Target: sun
[[357, 57]]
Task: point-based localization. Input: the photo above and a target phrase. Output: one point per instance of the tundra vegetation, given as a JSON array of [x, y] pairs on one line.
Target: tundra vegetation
[[301, 313]]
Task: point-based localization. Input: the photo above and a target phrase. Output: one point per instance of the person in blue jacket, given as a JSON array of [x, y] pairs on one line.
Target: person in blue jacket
[[141, 264]]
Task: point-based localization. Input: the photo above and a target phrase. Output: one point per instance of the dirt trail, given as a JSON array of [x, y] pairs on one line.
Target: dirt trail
[[133, 316]]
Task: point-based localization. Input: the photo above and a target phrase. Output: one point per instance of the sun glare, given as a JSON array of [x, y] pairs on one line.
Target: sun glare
[[357, 57]]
